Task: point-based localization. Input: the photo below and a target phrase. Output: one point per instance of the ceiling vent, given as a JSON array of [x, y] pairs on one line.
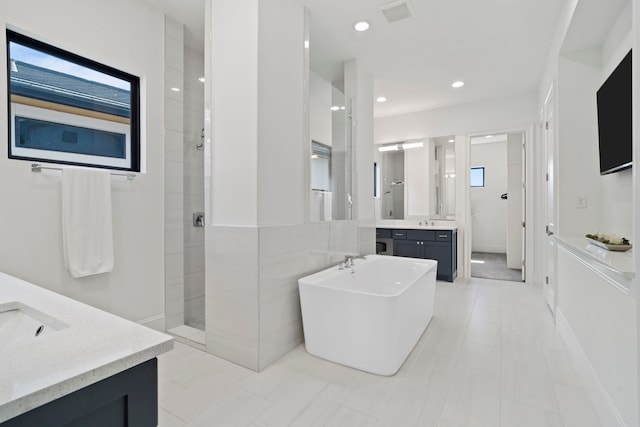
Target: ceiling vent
[[397, 11]]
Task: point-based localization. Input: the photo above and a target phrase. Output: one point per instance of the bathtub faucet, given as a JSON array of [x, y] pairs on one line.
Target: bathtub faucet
[[348, 259]]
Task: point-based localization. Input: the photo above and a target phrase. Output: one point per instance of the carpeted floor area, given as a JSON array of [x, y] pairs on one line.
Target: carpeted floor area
[[493, 266]]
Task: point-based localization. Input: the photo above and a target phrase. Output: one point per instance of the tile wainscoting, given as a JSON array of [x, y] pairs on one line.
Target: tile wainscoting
[[252, 300]]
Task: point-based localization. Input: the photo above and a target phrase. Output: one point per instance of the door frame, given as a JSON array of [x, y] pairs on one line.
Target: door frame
[[529, 133], [548, 197]]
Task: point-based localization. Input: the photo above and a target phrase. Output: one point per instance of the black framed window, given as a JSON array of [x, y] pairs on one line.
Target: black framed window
[[477, 177], [67, 109]]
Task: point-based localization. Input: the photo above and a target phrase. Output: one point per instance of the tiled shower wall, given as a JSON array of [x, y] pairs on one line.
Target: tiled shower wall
[[193, 187], [173, 128]]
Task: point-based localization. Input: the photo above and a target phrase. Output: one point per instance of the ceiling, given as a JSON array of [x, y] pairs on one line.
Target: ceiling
[[497, 47], [591, 23]]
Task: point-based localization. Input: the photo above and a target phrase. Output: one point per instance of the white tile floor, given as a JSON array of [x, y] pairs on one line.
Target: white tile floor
[[490, 357]]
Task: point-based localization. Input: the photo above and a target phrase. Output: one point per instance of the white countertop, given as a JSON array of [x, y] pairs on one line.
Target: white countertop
[[418, 227], [94, 346], [620, 263]]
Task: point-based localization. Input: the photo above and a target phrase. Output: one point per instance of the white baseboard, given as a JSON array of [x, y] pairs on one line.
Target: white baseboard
[[600, 399], [492, 249], [155, 322]]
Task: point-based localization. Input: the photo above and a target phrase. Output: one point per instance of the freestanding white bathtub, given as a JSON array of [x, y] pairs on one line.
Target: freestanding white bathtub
[[370, 316]]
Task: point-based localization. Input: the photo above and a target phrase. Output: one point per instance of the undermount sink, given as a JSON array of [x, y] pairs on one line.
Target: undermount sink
[[20, 324]]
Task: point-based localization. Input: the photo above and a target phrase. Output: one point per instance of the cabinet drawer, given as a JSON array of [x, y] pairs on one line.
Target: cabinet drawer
[[421, 234], [383, 233], [443, 235], [399, 234]]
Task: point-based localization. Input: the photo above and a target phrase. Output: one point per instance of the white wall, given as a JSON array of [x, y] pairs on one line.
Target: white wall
[[488, 210], [617, 188], [280, 115], [514, 203], [609, 198], [578, 76], [319, 109], [578, 168], [359, 87], [234, 84], [498, 114], [417, 168], [550, 72], [30, 218]]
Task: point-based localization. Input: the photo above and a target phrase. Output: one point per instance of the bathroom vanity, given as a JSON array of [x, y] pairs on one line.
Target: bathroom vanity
[[64, 363], [439, 243]]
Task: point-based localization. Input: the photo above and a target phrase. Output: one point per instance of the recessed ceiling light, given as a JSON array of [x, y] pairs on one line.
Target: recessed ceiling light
[[306, 44], [175, 89], [201, 79], [335, 108], [361, 26], [452, 140], [457, 84], [381, 99], [488, 136]]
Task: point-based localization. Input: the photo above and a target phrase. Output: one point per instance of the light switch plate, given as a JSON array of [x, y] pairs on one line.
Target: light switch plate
[[581, 202]]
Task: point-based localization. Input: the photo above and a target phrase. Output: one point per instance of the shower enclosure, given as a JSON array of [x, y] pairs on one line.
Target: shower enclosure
[[184, 188]]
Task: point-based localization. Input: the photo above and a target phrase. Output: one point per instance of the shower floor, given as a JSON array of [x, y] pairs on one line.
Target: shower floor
[[197, 322]]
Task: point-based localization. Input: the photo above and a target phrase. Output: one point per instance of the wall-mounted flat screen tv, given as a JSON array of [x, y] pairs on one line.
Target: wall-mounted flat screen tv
[[615, 139]]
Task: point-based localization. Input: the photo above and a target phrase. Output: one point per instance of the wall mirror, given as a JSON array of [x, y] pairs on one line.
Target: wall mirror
[[443, 165], [392, 185], [330, 128], [417, 179]]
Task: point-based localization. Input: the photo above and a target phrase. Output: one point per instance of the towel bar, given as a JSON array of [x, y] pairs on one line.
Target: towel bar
[[36, 167]]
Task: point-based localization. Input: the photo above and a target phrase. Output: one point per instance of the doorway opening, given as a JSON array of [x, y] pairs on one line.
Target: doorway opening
[[497, 196]]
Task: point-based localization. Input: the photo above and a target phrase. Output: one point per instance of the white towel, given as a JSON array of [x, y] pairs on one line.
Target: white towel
[[87, 231]]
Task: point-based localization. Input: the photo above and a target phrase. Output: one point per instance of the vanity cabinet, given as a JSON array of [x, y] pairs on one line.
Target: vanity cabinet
[[128, 398], [440, 245]]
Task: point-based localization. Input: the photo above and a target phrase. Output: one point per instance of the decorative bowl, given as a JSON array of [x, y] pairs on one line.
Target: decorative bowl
[[616, 248]]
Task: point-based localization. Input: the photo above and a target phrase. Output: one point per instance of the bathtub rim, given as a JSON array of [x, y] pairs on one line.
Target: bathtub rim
[[315, 279]]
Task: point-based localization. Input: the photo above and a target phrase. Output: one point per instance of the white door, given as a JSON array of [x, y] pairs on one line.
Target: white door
[[549, 281], [515, 202]]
